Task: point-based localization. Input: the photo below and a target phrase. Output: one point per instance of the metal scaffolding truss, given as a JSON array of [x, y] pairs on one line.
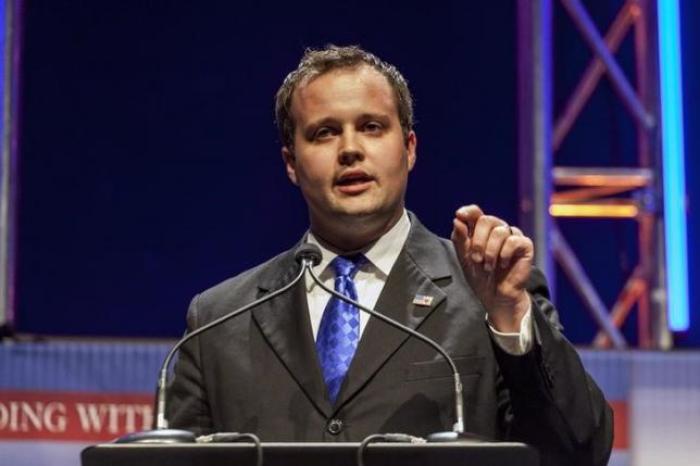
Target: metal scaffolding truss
[[9, 110], [548, 191]]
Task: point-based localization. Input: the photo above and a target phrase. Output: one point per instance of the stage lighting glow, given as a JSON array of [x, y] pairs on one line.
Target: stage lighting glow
[[594, 210], [673, 164]]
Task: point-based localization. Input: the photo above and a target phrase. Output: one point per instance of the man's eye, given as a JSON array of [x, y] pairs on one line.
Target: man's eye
[[323, 133], [373, 127]]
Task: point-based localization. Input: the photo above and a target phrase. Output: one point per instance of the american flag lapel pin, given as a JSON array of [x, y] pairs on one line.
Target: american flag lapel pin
[[422, 300]]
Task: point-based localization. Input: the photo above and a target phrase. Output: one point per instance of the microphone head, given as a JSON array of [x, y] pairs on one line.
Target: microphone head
[[308, 252]]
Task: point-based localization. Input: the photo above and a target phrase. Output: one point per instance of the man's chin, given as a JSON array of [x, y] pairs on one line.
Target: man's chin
[[367, 216], [353, 227], [358, 212]]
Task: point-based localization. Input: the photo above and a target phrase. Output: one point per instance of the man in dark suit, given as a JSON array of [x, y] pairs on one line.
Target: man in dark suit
[[303, 367]]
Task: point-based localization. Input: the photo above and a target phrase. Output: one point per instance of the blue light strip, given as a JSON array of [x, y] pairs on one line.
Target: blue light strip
[[673, 164], [3, 35]]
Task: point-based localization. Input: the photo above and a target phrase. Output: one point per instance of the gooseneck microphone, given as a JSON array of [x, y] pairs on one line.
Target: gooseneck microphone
[[457, 433], [307, 257]]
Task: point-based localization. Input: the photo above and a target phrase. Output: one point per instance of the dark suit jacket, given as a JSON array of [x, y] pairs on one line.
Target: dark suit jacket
[[259, 372]]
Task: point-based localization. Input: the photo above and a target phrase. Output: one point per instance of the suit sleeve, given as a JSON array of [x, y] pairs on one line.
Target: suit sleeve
[[552, 403], [188, 407]]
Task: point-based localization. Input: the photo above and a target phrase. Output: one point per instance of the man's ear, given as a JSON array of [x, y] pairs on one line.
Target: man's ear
[[411, 145], [290, 164]]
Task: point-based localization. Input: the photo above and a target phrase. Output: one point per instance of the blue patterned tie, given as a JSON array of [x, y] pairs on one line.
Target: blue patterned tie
[[339, 331]]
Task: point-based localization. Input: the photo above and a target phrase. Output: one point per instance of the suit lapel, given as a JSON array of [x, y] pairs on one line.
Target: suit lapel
[[413, 274], [284, 322]]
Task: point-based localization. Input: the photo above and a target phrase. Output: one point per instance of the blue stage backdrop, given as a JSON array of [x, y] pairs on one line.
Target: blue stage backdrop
[[150, 164]]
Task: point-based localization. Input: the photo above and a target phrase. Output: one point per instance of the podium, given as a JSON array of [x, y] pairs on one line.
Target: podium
[[312, 454]]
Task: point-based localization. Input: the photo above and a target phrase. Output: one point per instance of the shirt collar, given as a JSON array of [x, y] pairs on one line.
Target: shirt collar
[[382, 254]]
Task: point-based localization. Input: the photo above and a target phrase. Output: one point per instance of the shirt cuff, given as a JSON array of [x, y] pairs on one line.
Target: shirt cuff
[[516, 344]]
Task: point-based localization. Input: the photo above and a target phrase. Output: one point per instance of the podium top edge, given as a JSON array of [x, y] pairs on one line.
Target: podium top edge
[[314, 445]]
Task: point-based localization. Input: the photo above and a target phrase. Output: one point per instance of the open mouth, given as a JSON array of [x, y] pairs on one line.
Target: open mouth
[[354, 182]]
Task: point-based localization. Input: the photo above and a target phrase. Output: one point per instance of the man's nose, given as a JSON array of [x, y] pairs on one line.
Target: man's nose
[[350, 149]]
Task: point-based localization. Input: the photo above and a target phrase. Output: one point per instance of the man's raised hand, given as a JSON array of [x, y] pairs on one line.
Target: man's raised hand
[[496, 260]]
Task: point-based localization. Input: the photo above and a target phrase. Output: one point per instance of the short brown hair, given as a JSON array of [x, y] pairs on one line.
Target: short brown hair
[[317, 62]]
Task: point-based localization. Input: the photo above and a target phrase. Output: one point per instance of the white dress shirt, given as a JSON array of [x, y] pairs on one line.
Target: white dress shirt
[[371, 278]]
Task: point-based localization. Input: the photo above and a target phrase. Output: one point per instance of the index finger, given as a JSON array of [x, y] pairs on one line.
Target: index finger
[[469, 214]]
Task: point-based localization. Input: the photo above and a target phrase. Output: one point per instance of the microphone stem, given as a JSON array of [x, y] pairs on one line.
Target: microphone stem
[[161, 419], [459, 403]]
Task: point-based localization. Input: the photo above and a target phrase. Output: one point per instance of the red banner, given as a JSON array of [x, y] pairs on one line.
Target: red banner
[[620, 425], [73, 416], [98, 417]]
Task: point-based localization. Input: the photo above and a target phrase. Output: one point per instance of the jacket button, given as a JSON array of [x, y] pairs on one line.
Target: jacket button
[[335, 426]]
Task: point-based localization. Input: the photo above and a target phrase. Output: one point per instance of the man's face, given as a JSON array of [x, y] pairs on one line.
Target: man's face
[[349, 156]]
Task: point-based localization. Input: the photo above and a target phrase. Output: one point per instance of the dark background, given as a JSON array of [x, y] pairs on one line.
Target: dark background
[[150, 164]]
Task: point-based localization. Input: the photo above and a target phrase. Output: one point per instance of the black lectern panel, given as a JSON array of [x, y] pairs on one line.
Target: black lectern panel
[[312, 454]]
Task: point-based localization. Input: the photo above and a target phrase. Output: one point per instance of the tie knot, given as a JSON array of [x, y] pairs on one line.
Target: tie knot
[[347, 266]]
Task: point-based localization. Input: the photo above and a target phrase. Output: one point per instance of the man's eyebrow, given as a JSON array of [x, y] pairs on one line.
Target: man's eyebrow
[[374, 116], [320, 122], [312, 125]]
